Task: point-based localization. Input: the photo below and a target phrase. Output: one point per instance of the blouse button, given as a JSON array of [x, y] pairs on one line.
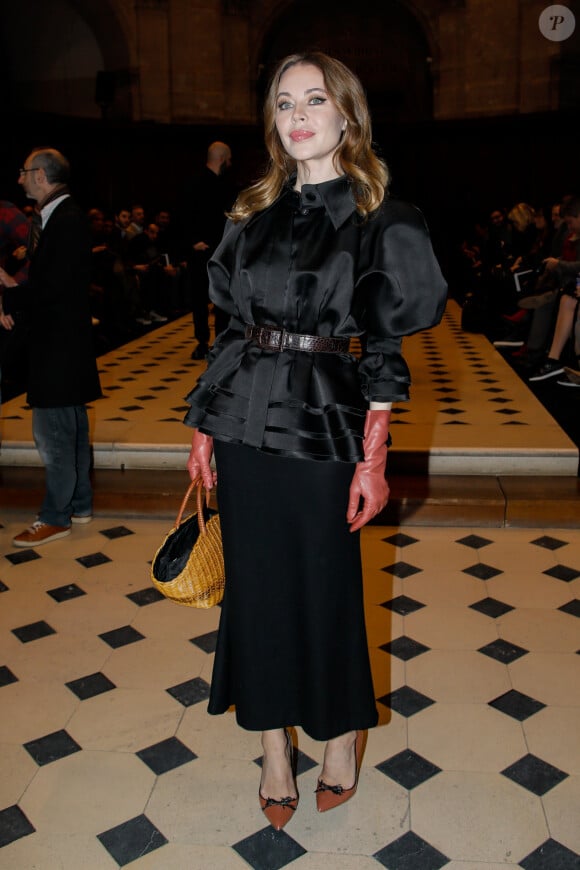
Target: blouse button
[[304, 211], [310, 197]]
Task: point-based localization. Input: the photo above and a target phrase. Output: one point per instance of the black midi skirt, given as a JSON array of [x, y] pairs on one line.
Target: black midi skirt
[[292, 646]]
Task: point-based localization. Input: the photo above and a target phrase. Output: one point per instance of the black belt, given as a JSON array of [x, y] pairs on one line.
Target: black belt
[[270, 338]]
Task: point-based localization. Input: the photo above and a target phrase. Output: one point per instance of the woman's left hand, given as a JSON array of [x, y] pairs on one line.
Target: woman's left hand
[[198, 463], [371, 486]]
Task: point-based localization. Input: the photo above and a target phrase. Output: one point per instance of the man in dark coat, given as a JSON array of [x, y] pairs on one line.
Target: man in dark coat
[[63, 373], [207, 199]]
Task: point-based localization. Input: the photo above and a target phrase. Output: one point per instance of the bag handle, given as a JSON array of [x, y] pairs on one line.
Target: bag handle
[[199, 501]]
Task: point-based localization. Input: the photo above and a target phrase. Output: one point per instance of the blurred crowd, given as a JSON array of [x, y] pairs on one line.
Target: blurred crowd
[[520, 274]]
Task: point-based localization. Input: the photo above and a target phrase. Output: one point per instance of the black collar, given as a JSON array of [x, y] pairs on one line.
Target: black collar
[[335, 196]]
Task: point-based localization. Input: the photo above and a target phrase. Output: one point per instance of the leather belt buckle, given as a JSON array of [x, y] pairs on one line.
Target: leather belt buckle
[[271, 338]]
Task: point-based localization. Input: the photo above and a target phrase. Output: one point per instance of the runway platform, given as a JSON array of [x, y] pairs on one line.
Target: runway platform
[[472, 442]]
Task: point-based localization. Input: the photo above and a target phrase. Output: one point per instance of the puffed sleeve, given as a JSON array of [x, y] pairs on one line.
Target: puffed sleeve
[[400, 291], [221, 267]]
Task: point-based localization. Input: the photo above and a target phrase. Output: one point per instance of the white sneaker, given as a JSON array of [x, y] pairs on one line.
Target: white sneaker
[[144, 321], [157, 318], [81, 519]]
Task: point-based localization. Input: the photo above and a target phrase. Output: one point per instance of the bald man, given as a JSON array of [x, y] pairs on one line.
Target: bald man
[[208, 197]]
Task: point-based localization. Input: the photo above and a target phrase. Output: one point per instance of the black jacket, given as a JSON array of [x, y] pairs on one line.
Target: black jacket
[[309, 265], [55, 299]]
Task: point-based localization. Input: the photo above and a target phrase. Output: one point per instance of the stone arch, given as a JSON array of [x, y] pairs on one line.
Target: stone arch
[[392, 47], [52, 53]]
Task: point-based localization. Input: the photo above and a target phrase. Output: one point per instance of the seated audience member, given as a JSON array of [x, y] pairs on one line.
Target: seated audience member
[[137, 222], [508, 239], [169, 243], [542, 244], [148, 265], [121, 225], [109, 285], [566, 269], [499, 239], [544, 303]]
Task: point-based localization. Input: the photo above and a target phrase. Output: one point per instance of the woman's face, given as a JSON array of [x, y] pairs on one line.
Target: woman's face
[[308, 122], [540, 220]]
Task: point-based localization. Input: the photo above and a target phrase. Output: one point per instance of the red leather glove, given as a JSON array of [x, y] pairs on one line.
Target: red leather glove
[[199, 459], [369, 482]]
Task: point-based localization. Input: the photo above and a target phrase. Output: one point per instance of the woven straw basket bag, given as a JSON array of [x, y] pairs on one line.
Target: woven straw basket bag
[[188, 568]]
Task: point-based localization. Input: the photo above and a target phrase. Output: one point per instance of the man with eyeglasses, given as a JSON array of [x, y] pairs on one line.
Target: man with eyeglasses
[[62, 375]]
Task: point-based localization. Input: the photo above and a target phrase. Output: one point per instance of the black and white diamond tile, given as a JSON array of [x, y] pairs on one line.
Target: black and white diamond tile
[[52, 747], [404, 648], [408, 769], [108, 686], [503, 651], [491, 607], [66, 593], [190, 692], [6, 676], [166, 755], [411, 852], [33, 631], [406, 701], [402, 570], [551, 855], [131, 840], [517, 705], [534, 774], [269, 850], [22, 557], [90, 686], [482, 571], [403, 605], [13, 825], [563, 572], [121, 636]]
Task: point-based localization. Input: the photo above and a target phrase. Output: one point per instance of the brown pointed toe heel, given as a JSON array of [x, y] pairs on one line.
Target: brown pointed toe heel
[[330, 796], [279, 812]]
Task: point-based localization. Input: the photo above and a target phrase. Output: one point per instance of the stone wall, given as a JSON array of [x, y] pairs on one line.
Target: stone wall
[[201, 61]]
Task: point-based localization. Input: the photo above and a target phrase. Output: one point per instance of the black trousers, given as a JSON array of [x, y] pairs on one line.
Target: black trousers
[[198, 285], [199, 294], [292, 646]]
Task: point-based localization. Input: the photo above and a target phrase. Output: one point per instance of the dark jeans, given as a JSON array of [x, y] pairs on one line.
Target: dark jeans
[[61, 436]]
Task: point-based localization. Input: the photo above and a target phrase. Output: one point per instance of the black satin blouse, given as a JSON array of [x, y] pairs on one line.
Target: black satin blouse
[[308, 264]]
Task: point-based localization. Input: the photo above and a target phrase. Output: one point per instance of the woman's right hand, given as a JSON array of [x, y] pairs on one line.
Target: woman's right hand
[[199, 460]]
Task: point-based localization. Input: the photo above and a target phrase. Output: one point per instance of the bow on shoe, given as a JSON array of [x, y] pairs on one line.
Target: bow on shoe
[[322, 786], [283, 802]]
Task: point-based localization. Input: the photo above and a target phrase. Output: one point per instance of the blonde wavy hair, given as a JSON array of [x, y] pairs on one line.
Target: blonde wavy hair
[[522, 216], [368, 174]]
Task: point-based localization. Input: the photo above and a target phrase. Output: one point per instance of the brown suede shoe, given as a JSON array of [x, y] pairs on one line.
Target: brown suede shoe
[[40, 533]]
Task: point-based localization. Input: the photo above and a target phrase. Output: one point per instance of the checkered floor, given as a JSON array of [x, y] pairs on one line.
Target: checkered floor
[[109, 759]]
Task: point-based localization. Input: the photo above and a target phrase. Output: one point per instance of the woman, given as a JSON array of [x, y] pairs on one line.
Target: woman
[[522, 218], [312, 255]]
